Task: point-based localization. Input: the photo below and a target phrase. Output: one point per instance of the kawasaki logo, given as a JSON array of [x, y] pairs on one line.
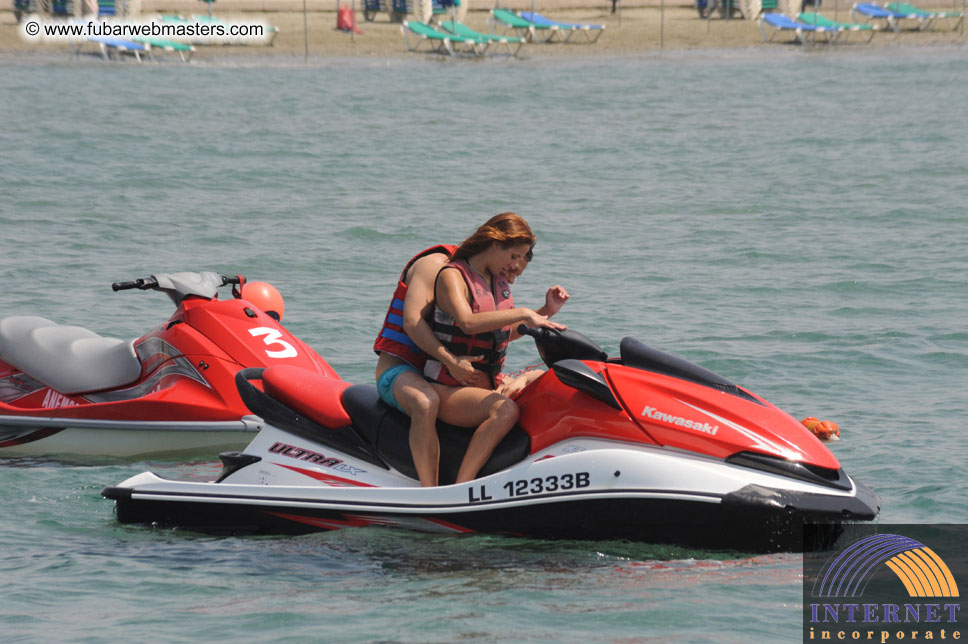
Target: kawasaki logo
[[655, 414]]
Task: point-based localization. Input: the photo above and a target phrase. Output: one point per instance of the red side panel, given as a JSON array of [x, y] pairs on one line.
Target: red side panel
[[702, 419], [552, 412], [315, 396]]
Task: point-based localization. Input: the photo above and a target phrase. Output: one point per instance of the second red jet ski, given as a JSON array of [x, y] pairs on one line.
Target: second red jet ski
[[67, 391]]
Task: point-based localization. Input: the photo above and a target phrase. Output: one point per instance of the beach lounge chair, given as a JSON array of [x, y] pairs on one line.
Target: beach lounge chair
[[437, 41], [460, 29], [804, 33], [23, 8], [184, 51], [510, 22], [929, 16], [862, 30], [871, 12], [564, 29], [118, 46], [109, 8]]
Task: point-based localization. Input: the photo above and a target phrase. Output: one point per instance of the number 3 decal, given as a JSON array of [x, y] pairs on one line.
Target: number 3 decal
[[273, 338]]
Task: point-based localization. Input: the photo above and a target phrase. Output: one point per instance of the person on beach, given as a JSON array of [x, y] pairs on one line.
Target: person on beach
[[406, 340], [474, 314]]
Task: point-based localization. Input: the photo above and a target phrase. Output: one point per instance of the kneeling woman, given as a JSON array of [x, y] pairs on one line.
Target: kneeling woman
[[474, 314]]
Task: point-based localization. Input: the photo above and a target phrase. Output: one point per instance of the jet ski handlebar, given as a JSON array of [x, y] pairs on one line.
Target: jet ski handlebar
[[146, 283], [537, 334], [554, 345]]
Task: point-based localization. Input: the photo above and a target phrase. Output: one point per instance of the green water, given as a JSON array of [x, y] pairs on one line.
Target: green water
[[793, 221]]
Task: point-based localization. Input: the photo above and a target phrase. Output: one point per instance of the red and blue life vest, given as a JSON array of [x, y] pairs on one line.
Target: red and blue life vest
[[492, 345], [392, 338]]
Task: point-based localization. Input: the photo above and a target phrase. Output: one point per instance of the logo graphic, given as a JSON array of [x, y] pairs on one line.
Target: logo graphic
[[886, 583], [919, 568]]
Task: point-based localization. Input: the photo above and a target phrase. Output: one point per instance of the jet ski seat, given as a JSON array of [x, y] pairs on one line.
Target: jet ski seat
[[388, 430], [68, 359]]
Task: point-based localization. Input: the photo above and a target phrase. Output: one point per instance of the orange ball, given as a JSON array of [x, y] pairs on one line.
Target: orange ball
[[264, 296]]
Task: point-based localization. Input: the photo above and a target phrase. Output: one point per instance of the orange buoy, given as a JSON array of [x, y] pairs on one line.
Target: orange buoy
[[831, 427], [266, 297], [824, 430]]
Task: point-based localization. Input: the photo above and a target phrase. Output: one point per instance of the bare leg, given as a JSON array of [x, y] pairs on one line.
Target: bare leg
[[420, 401], [493, 414]]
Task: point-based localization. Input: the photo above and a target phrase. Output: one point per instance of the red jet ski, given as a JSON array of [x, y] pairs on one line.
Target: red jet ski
[[644, 447], [65, 390]]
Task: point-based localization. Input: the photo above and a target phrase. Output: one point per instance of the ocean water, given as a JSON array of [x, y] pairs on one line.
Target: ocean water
[[795, 221]]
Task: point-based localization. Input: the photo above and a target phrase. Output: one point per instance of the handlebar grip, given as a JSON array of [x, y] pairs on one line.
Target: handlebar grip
[[230, 279], [537, 334], [142, 283]]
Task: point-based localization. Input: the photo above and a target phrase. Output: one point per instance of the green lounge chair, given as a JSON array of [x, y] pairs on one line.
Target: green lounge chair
[[511, 22], [845, 29], [927, 16], [438, 42], [460, 29]]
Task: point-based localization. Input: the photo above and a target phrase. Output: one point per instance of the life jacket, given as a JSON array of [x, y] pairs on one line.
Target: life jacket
[[392, 338], [492, 345]]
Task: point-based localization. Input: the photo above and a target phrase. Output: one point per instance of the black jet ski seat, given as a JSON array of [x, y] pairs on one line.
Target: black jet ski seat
[[68, 359], [388, 430]]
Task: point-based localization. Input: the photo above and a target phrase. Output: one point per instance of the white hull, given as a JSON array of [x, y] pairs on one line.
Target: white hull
[[85, 438], [578, 489]]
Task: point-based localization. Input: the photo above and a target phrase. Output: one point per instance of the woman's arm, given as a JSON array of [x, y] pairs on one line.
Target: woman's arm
[[555, 298], [454, 298], [416, 307]]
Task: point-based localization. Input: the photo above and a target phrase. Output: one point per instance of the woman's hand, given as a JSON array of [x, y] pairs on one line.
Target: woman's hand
[[464, 372], [535, 319], [555, 298], [511, 387]]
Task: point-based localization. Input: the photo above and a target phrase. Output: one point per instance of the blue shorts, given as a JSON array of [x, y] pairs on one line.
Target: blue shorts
[[384, 384]]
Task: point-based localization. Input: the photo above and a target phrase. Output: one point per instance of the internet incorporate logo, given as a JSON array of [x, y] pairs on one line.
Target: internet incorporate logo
[[886, 588], [919, 568]]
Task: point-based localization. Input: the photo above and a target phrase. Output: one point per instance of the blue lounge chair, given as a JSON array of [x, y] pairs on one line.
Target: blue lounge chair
[[871, 12], [591, 32], [118, 46], [804, 33]]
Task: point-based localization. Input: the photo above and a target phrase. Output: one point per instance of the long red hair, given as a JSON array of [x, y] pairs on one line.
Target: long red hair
[[507, 229]]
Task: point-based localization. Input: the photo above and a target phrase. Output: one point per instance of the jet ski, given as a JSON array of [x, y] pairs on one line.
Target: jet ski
[[65, 390], [645, 447]]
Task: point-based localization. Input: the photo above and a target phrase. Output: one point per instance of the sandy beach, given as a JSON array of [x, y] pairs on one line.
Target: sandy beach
[[640, 27]]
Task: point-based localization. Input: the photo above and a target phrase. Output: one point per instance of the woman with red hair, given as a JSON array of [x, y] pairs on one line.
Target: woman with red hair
[[474, 315]]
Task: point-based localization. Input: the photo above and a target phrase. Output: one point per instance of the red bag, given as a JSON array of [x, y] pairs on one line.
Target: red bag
[[346, 20]]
